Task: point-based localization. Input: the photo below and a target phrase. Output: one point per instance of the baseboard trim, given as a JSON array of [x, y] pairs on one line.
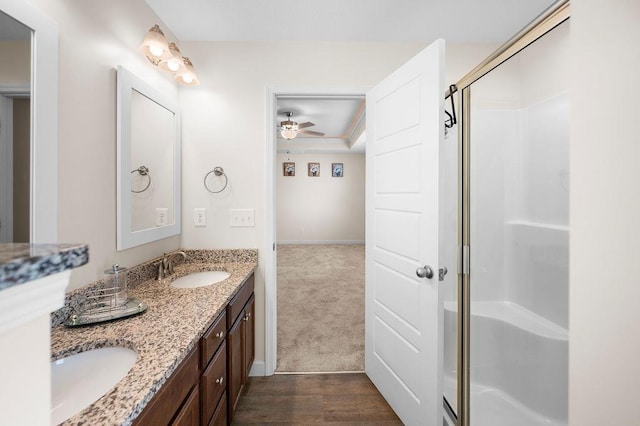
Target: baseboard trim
[[287, 242], [258, 369]]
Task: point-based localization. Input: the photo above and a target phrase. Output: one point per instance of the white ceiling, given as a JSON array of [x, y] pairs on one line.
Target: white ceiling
[[347, 20]]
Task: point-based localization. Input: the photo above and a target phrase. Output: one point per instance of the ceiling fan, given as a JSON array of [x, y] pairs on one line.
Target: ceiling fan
[[289, 129]]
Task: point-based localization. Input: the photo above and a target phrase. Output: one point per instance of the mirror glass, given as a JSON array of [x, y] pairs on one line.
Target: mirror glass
[[15, 130], [152, 134], [148, 163]]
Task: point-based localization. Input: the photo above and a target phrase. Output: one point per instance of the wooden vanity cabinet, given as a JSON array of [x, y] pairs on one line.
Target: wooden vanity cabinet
[[240, 341], [205, 388], [177, 399]]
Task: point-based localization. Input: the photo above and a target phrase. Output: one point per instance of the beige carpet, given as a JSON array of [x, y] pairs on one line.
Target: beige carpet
[[320, 308]]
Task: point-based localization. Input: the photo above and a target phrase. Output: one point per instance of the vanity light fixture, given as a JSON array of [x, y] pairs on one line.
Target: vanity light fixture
[[168, 57], [155, 46]]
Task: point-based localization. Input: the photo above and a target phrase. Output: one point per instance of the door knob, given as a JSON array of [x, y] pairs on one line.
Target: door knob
[[424, 272]]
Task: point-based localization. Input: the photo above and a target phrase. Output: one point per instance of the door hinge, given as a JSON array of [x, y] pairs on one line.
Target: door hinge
[[274, 246]]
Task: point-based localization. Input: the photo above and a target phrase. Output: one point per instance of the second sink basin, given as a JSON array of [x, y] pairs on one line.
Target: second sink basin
[[200, 279], [79, 380]]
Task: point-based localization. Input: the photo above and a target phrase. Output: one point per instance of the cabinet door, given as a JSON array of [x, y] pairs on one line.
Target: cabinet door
[[249, 337], [235, 364], [189, 414], [163, 407], [220, 416]]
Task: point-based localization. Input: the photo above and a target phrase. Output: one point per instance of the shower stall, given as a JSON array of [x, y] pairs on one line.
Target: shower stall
[[506, 319]]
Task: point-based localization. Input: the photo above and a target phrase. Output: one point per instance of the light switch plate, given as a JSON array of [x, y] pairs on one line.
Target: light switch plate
[[242, 218], [200, 217]]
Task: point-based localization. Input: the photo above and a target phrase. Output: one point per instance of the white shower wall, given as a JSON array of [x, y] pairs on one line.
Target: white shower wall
[[537, 230], [523, 221], [520, 116]]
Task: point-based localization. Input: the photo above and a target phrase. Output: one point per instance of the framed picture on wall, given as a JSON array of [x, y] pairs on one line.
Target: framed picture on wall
[[337, 169], [288, 169], [313, 169]]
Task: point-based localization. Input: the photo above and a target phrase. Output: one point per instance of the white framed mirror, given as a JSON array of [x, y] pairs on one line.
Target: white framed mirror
[[148, 163], [42, 89]]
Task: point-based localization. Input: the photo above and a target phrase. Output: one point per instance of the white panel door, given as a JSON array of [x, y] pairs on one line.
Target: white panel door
[[403, 328]]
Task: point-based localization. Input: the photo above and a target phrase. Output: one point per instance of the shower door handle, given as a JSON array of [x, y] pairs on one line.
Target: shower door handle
[[424, 272]]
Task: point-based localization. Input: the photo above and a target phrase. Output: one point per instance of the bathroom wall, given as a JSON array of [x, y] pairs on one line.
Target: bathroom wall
[[323, 209], [94, 38], [604, 213]]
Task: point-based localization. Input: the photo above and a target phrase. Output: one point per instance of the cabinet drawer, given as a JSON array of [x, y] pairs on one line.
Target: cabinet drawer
[[234, 308], [212, 339], [213, 383], [220, 416]]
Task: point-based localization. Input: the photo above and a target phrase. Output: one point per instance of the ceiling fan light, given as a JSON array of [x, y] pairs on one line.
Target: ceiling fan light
[[288, 133], [175, 63], [155, 46]]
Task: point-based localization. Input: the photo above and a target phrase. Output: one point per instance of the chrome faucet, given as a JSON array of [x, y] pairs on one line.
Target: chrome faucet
[[165, 266]]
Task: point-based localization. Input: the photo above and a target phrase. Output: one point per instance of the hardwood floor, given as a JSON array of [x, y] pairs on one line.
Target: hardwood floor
[[292, 399]]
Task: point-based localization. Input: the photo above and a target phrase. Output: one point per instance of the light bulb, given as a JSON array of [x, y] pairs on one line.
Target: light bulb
[[156, 51], [173, 65], [187, 75]]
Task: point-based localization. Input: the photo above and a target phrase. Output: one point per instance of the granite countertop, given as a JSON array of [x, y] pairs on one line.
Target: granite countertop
[[23, 262], [162, 336]]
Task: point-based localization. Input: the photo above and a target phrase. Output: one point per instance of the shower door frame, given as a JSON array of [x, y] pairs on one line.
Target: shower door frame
[[547, 21]]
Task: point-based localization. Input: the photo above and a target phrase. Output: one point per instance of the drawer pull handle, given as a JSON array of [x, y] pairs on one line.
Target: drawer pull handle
[[220, 381], [247, 316], [220, 334]]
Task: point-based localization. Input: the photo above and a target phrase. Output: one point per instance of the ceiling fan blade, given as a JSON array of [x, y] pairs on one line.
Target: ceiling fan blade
[[311, 132], [307, 124]]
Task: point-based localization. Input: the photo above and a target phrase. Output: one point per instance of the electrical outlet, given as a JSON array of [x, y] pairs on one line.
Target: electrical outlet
[[199, 217], [162, 214], [242, 218]]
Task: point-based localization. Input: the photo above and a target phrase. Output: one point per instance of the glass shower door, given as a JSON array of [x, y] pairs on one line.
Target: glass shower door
[[519, 238]]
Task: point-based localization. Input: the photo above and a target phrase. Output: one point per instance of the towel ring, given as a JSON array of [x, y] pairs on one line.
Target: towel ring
[[144, 171], [218, 171]]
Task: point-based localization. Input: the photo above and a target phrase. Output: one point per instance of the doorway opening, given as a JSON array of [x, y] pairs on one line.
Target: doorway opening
[[314, 275], [15, 166]]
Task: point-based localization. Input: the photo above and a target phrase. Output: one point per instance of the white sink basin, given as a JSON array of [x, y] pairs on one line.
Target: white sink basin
[[200, 279], [79, 380]]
